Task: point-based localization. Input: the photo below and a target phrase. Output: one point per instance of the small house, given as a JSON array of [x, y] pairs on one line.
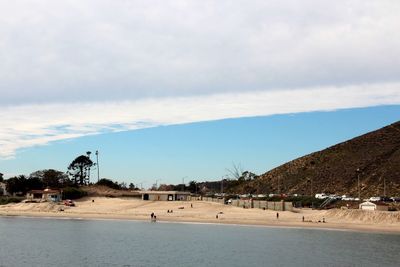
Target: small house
[[367, 205], [44, 195]]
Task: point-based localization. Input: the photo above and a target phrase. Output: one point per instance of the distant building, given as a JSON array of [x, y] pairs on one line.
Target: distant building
[[165, 195], [44, 195], [367, 205], [3, 189]]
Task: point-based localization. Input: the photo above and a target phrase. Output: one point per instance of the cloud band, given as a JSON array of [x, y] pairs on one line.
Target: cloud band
[[31, 125]]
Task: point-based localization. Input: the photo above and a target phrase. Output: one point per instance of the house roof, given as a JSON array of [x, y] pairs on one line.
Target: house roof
[[46, 191], [369, 203]]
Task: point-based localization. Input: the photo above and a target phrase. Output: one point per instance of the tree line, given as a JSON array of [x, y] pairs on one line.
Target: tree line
[[78, 174]]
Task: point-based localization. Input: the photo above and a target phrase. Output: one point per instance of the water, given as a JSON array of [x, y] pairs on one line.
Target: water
[[67, 242]]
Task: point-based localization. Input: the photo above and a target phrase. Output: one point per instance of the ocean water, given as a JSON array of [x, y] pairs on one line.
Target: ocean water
[[72, 242]]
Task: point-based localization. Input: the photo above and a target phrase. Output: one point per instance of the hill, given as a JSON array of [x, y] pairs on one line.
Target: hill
[[373, 157]]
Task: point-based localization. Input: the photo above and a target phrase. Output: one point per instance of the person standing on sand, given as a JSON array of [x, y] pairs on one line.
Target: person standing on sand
[[277, 215]]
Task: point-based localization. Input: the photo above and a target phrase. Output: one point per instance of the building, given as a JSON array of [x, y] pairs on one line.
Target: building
[[3, 189], [44, 195], [165, 195], [367, 205]]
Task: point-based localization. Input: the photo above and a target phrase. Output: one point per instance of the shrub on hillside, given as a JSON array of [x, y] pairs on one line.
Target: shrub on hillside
[[109, 183], [6, 200], [73, 193]]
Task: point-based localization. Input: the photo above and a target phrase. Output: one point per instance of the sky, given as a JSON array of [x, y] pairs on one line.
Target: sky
[[81, 71]]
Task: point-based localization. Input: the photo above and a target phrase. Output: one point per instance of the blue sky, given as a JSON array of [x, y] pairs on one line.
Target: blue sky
[[203, 151], [108, 74]]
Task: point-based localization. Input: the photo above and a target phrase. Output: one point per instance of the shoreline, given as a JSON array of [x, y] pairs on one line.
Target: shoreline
[[204, 213], [340, 228]]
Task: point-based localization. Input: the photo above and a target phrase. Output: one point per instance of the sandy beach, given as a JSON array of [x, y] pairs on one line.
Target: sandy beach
[[206, 212]]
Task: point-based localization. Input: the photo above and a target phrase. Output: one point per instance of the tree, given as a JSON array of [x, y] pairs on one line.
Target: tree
[[131, 186], [1, 177], [34, 183], [248, 176], [192, 187], [79, 169], [235, 172], [123, 186], [51, 178], [17, 184]]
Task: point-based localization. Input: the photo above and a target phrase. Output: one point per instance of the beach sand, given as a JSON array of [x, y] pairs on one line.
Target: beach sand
[[205, 212]]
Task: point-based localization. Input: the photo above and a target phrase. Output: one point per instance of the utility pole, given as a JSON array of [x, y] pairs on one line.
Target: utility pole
[[222, 185], [88, 153], [183, 183], [98, 167], [157, 183], [384, 186], [358, 183], [279, 190]]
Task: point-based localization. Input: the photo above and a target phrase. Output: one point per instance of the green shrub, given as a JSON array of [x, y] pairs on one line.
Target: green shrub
[[73, 193], [6, 200], [109, 183]]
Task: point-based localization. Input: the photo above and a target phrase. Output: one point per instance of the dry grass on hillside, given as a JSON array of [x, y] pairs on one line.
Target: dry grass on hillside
[[364, 215], [104, 191]]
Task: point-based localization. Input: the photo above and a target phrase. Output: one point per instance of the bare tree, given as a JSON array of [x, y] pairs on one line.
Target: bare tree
[[235, 172]]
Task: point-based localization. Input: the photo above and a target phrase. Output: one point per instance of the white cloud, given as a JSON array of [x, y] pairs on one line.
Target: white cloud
[[71, 51], [31, 125], [73, 68]]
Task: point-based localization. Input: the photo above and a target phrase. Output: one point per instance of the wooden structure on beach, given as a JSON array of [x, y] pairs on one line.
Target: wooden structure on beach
[[372, 206], [165, 195]]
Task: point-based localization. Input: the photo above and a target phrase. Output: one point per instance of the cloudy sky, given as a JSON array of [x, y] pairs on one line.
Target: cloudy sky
[[75, 68]]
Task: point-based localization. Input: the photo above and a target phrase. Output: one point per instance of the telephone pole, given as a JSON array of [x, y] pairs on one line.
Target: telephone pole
[[98, 167], [358, 183]]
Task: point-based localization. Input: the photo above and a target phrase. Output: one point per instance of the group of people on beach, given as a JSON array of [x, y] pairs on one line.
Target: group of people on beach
[[323, 220], [153, 217]]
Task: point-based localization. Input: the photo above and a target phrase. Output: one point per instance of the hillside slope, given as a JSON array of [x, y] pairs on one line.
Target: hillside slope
[[334, 170]]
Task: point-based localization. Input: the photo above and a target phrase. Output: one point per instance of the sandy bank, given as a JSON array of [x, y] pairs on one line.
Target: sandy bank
[[205, 212]]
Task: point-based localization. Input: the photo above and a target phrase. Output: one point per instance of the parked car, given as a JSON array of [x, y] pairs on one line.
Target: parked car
[[321, 196], [375, 199], [395, 199], [69, 202]]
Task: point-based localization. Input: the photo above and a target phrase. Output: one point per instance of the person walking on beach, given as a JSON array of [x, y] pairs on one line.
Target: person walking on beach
[[277, 215]]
